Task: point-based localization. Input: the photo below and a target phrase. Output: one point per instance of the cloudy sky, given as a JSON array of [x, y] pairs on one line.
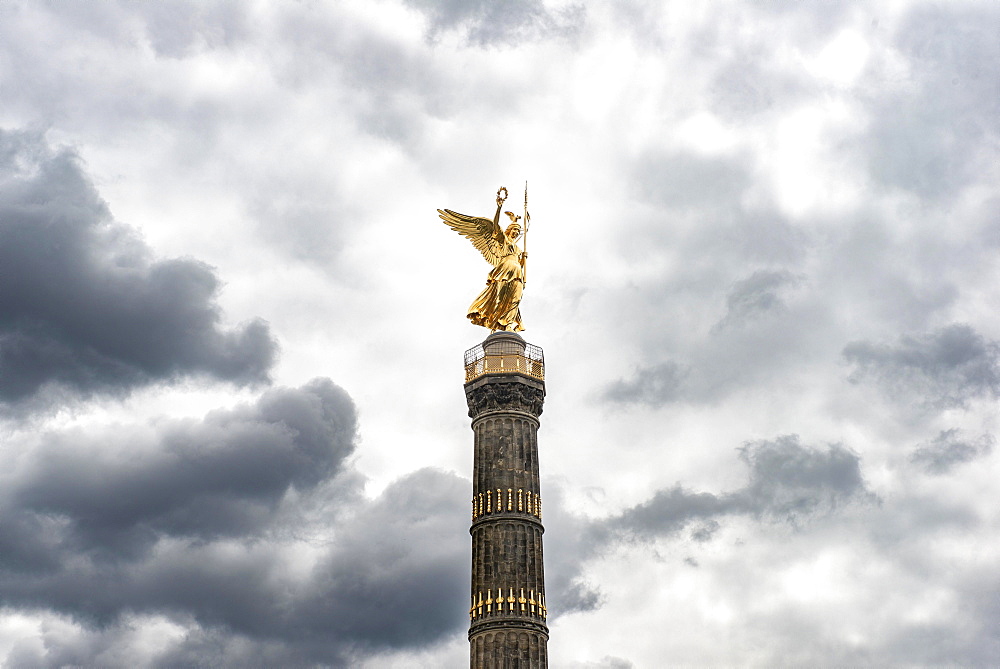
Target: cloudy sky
[[765, 270]]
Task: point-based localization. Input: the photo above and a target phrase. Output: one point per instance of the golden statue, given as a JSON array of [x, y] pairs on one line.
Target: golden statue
[[498, 306]]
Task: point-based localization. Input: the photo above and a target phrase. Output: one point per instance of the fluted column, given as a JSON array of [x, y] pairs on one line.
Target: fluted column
[[508, 606]]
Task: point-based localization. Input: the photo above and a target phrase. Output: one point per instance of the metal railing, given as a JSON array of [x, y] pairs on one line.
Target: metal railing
[[504, 357]]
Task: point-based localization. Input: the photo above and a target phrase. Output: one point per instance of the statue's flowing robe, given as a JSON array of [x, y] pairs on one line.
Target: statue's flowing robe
[[498, 307]]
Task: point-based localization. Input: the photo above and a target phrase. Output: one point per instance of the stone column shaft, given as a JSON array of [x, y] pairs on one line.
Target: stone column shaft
[[508, 607]]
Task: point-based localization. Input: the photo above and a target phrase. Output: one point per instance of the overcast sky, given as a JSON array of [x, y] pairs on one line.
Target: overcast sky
[[765, 271]]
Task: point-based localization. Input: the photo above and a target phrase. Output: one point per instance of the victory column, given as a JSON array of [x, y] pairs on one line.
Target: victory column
[[505, 389]]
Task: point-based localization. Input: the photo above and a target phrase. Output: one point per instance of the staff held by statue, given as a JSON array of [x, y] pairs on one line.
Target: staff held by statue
[[527, 226]]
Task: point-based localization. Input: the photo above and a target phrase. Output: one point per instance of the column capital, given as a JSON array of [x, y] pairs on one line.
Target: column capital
[[505, 392]]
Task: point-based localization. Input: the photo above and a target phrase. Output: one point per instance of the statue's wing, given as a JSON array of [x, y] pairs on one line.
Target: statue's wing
[[484, 234]]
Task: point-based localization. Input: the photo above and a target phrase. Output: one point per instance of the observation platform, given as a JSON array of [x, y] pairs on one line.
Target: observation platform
[[504, 353]]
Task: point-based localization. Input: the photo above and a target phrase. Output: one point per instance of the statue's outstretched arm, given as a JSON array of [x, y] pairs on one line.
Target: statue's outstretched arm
[[497, 232]]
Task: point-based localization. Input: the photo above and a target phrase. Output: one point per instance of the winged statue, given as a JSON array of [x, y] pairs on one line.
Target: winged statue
[[498, 307]]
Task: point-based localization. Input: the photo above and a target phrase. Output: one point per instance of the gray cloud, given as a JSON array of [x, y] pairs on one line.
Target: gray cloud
[[949, 449], [183, 28], [927, 136], [685, 180], [606, 662], [391, 577], [395, 89], [706, 531], [910, 292], [755, 295], [308, 227], [84, 306], [568, 543], [277, 568], [943, 369], [496, 22], [753, 83], [399, 573], [176, 30], [670, 510], [651, 386], [788, 482], [733, 357], [728, 248]]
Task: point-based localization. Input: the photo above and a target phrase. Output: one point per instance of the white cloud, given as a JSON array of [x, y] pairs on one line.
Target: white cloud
[[842, 59], [725, 199]]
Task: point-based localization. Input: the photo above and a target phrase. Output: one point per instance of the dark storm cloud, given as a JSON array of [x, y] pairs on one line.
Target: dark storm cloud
[[200, 521], [84, 306], [568, 543], [223, 476], [788, 482], [942, 369], [400, 578], [395, 576], [490, 22], [949, 449], [926, 137], [112, 496]]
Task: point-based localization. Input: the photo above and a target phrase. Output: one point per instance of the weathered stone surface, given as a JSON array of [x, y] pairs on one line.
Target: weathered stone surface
[[505, 392], [506, 454], [509, 649], [508, 581]]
